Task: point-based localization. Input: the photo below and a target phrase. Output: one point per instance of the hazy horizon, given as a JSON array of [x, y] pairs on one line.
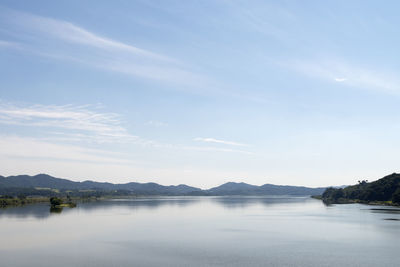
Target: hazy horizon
[[200, 93], [133, 180]]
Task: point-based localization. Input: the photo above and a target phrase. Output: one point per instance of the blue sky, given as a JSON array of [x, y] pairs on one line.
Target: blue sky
[[200, 92]]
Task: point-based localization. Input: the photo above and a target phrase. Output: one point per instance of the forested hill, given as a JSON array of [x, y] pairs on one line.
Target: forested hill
[[232, 188], [386, 189], [43, 181], [43, 184]]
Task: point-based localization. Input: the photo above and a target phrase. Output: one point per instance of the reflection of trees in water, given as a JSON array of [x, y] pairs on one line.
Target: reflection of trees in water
[[388, 210], [38, 211], [41, 210], [246, 201], [141, 203], [54, 209]]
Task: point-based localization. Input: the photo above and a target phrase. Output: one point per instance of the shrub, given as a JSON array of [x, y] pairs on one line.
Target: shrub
[[55, 201], [396, 196]]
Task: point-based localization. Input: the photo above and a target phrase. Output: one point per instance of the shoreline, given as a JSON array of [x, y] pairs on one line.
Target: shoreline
[[18, 202], [355, 201]]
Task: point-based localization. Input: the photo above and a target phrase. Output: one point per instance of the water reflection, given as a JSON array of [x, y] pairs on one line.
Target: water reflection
[[56, 209], [386, 210], [43, 210], [201, 231], [38, 211], [233, 202]]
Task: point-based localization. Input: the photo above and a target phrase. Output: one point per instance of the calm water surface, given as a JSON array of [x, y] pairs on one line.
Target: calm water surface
[[201, 231]]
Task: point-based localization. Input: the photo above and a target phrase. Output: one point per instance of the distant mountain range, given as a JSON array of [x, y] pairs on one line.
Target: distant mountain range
[[43, 181]]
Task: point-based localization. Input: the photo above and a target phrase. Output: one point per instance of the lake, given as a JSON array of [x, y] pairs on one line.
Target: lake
[[201, 231]]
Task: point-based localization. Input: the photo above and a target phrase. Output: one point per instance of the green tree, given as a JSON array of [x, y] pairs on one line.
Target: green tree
[[55, 201], [396, 196]]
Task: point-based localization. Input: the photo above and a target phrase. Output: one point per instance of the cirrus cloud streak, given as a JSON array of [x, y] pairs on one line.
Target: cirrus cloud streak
[[218, 141]]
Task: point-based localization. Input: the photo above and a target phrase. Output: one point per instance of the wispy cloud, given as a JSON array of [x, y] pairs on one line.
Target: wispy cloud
[[60, 124], [33, 148], [7, 44], [364, 77], [77, 122], [69, 32], [218, 141], [271, 20], [216, 149], [156, 123], [68, 42], [64, 40], [339, 80]]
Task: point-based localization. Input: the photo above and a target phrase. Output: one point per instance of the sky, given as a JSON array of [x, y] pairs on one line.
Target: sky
[[200, 92]]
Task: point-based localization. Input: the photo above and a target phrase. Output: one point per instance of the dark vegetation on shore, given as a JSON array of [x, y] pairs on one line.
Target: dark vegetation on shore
[[385, 191], [7, 200], [57, 204]]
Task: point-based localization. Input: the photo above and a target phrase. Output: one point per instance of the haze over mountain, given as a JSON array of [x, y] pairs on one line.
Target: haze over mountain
[[230, 188], [47, 181]]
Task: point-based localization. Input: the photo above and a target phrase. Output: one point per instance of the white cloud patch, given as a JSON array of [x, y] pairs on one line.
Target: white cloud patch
[[218, 141], [216, 149], [65, 124], [364, 77], [63, 40], [69, 32], [73, 122]]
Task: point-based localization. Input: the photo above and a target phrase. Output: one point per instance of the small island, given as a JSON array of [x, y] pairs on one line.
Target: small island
[[57, 204], [385, 191]]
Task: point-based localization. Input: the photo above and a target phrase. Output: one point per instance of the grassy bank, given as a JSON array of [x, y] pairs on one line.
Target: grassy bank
[[7, 202]]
